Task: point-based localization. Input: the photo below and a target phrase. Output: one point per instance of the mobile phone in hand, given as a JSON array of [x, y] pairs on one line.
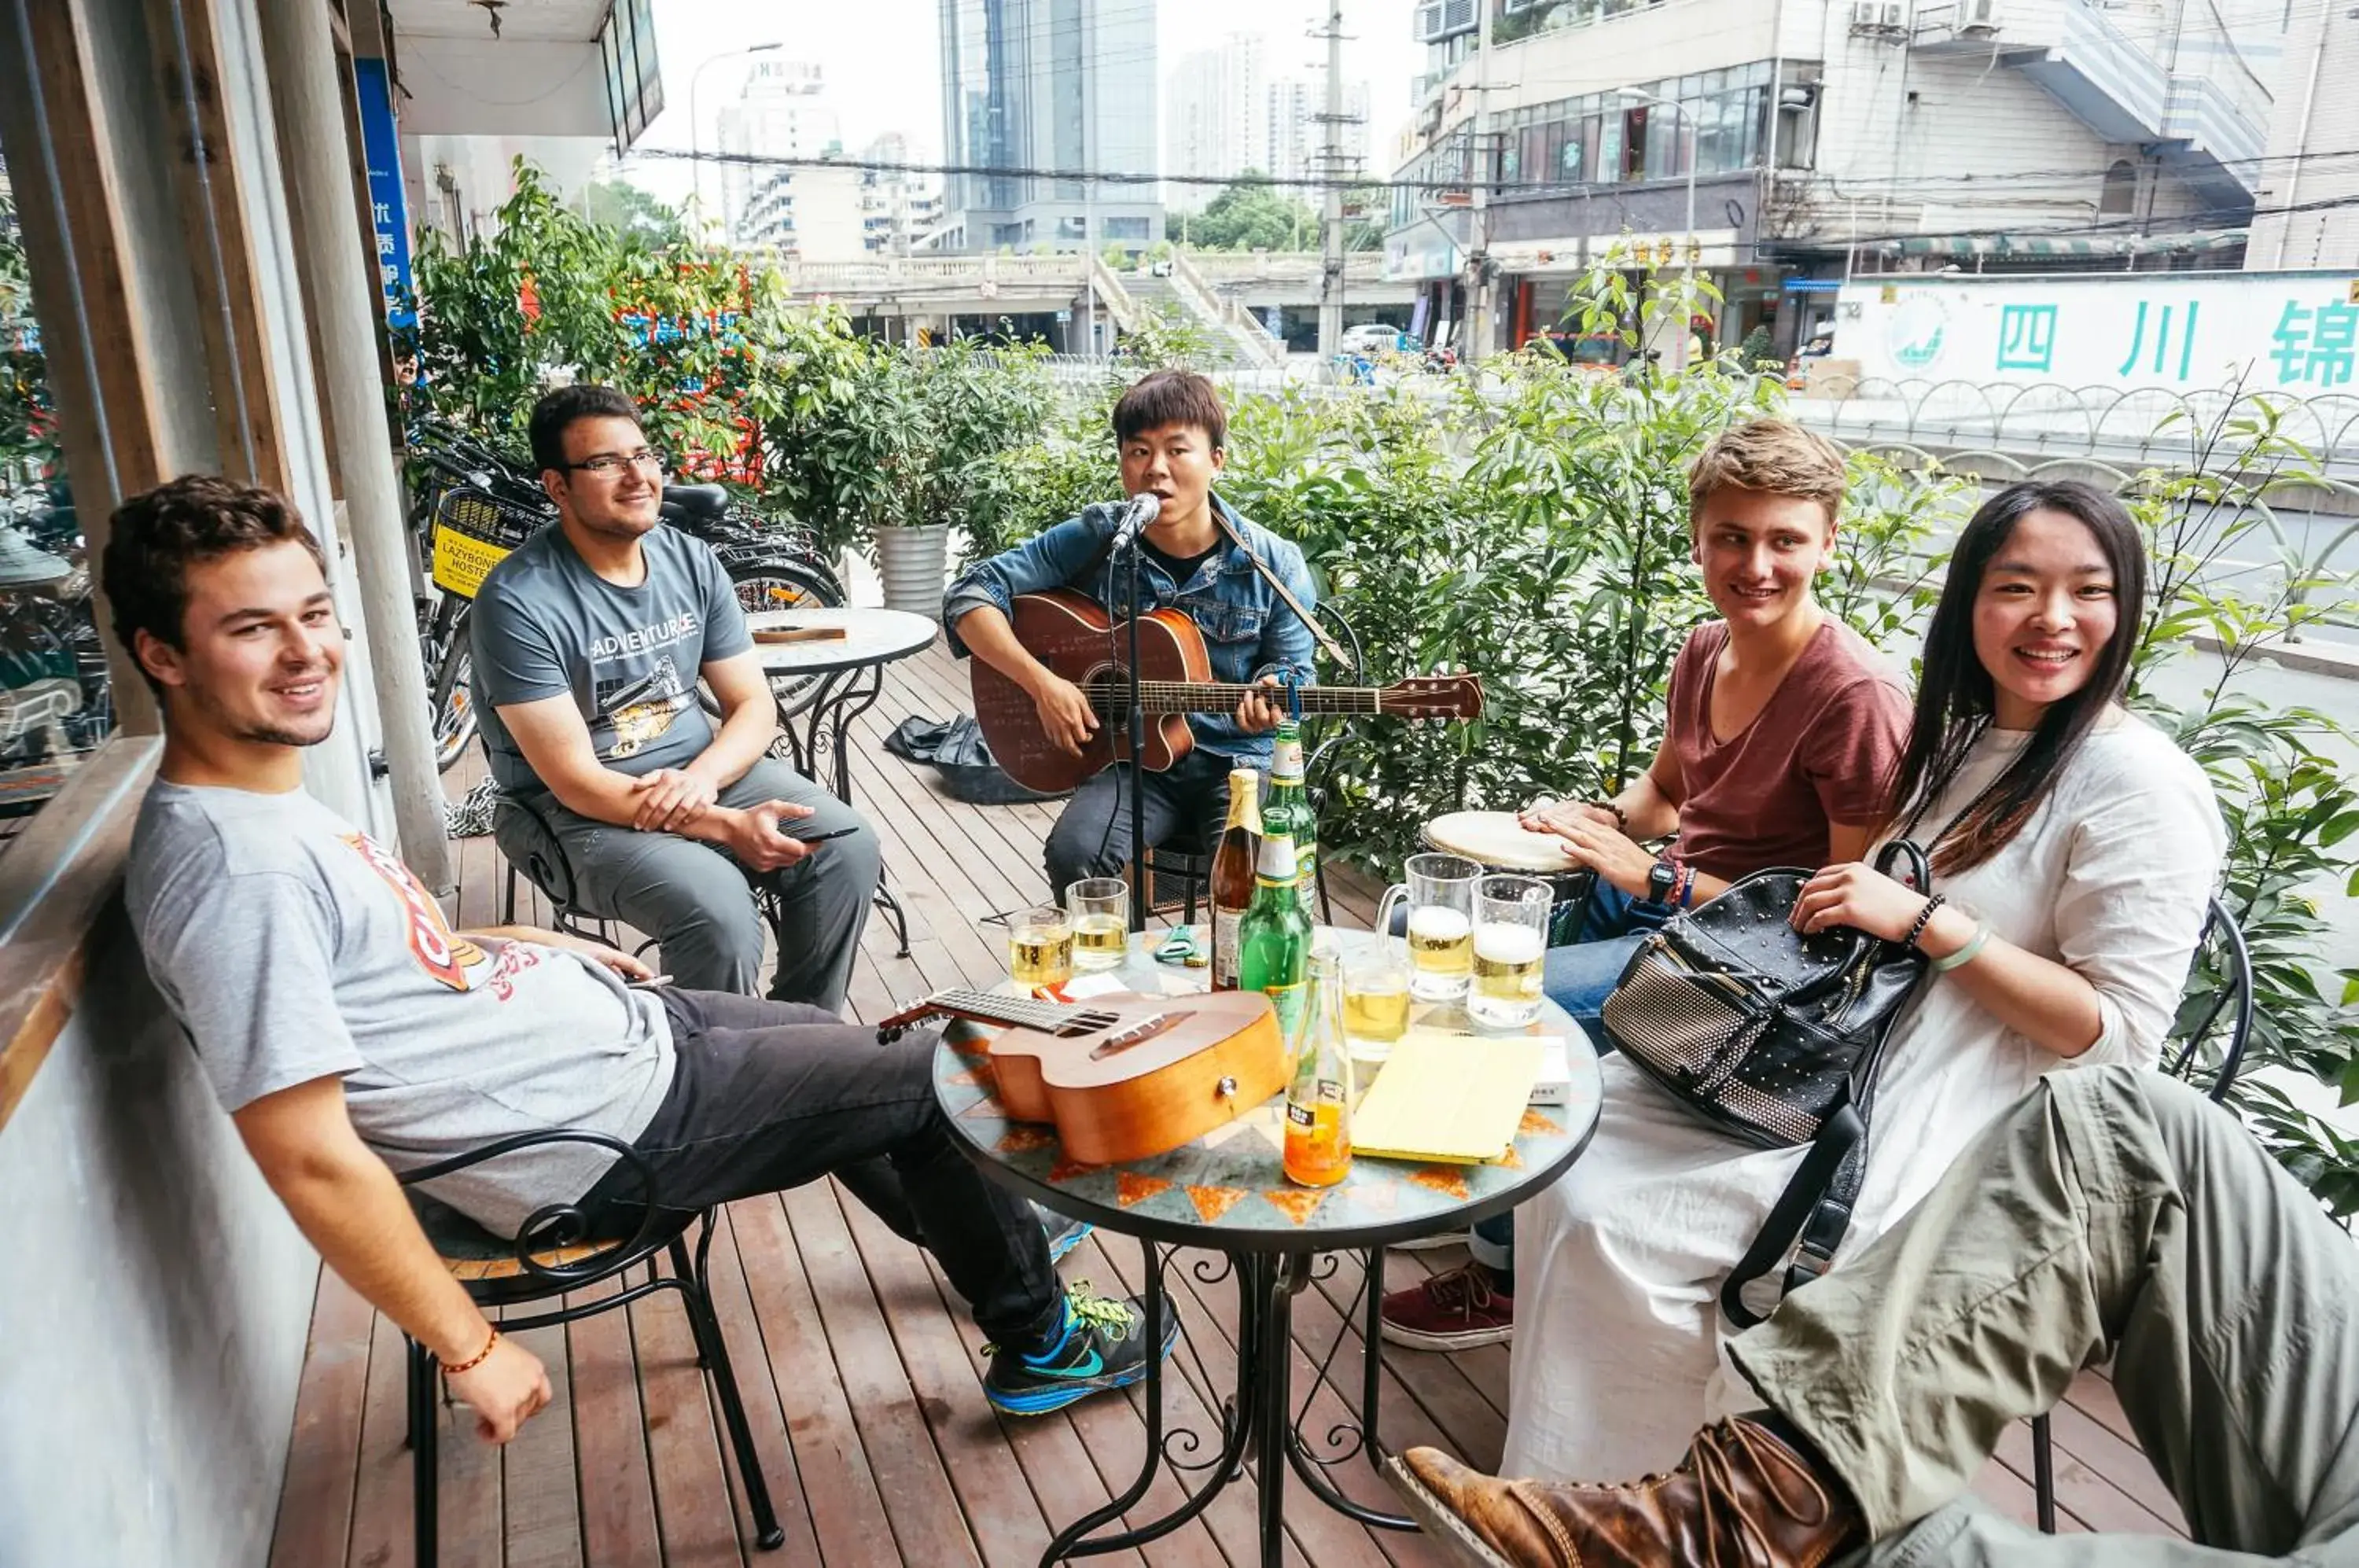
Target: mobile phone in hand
[[823, 837], [649, 983]]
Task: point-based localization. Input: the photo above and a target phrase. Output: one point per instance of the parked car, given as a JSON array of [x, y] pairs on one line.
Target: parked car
[[1376, 337]]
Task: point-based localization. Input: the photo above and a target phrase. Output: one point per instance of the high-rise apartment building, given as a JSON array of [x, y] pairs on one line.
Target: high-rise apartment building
[[1216, 124], [898, 209], [782, 112], [1296, 134], [1047, 90]]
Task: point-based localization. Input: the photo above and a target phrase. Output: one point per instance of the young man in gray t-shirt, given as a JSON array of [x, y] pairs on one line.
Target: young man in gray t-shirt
[[350, 1032], [587, 644]]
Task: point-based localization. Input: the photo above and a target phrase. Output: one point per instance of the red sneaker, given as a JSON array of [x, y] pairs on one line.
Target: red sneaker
[[1456, 1311]]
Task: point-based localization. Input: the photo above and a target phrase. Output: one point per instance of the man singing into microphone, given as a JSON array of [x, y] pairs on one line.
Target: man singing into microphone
[[1198, 555]]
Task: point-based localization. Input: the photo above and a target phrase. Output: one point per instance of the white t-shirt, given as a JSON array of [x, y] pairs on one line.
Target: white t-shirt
[[292, 946]]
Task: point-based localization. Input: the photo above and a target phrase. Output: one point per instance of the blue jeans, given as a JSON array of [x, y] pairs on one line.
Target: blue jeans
[[1579, 978]]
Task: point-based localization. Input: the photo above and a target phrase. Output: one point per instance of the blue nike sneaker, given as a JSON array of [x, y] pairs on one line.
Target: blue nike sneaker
[[1100, 1344]]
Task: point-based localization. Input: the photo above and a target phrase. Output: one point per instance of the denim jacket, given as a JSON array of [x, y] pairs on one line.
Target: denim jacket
[[1249, 632]]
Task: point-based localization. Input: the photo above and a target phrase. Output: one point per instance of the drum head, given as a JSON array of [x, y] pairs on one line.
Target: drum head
[[1498, 841]]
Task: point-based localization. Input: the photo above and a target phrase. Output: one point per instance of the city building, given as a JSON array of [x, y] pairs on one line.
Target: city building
[[1216, 123], [2307, 211], [782, 112], [842, 214], [898, 210], [808, 214], [1043, 88], [1819, 138], [1296, 135]]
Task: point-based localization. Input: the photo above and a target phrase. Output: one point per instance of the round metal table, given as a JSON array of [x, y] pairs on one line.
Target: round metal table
[[1225, 1192], [849, 670]]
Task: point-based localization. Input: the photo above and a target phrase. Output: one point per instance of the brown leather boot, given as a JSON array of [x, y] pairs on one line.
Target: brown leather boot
[[1741, 1498]]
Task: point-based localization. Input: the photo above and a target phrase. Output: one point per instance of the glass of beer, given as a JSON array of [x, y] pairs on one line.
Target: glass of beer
[[1376, 998], [1440, 894], [1040, 947], [1100, 906], [1510, 937]]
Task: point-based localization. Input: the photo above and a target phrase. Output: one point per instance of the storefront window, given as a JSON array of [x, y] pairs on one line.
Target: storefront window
[[55, 706]]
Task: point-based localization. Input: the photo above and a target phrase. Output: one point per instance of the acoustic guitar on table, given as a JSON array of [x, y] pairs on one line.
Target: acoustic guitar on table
[[1074, 637], [1122, 1077]]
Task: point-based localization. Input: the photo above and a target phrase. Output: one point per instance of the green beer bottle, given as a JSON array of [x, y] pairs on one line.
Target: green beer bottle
[[1287, 809], [1274, 937]]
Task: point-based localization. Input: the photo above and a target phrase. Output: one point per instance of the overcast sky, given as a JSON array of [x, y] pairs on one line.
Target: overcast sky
[[882, 60]]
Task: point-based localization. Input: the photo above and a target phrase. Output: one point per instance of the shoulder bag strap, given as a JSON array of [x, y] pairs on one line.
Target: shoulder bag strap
[[1805, 1210]]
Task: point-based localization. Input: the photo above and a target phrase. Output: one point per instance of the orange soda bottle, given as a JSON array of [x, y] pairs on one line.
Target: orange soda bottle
[[1318, 1100]]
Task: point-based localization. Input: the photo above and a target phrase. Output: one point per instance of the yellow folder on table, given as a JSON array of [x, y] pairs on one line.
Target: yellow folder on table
[[1452, 1098]]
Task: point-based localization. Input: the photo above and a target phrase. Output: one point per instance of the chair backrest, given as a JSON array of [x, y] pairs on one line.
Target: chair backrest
[[557, 1248], [2220, 982]]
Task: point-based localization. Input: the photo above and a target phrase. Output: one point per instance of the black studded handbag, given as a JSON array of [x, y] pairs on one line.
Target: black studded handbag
[[1776, 1038]]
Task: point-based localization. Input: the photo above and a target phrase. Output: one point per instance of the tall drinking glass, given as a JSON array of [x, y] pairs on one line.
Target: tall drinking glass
[[1040, 947], [1100, 906], [1510, 937], [1440, 893]]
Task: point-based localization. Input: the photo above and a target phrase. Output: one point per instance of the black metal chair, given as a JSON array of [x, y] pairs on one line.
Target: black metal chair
[[1188, 860], [547, 868], [2225, 982], [555, 1254]]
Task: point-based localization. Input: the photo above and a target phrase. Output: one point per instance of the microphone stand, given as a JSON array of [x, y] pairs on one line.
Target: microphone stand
[[1129, 546]]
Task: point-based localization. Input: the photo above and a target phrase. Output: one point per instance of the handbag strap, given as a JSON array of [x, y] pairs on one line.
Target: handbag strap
[[1814, 1209]]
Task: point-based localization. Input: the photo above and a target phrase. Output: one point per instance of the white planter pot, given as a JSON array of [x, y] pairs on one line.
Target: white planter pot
[[914, 564]]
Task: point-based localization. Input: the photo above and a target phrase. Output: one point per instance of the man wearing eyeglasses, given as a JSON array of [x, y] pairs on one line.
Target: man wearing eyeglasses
[[588, 643]]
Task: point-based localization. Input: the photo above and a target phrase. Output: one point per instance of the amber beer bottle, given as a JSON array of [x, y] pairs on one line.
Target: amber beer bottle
[[1232, 873], [1287, 810], [1274, 939], [1318, 1100]]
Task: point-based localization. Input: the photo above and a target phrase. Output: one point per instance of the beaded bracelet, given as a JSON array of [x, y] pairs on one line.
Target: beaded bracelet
[[1621, 817], [1967, 954], [1924, 916], [481, 1356]]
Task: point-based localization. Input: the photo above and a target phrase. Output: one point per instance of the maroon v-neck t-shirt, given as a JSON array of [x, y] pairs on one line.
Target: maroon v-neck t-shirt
[[1823, 749]]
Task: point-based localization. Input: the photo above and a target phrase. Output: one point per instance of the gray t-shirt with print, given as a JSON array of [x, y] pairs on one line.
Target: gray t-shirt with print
[[292, 947], [546, 626]]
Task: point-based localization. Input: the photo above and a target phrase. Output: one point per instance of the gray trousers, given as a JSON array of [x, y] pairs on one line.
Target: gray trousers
[[696, 900], [2113, 1211]]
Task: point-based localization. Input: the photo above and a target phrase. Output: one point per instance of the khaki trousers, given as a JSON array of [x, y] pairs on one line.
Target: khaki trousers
[[2113, 1212]]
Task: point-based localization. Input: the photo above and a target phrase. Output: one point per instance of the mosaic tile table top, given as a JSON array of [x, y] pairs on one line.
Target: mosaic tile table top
[[1225, 1190]]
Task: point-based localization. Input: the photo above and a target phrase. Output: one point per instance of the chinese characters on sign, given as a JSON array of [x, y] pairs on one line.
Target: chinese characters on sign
[[388, 207], [2027, 337], [2313, 346], [2130, 363]]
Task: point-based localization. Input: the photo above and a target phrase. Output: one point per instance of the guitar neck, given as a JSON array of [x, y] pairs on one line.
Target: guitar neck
[[1220, 697]]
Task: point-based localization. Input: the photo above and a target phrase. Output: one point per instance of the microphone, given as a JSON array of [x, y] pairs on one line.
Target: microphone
[[1133, 519]]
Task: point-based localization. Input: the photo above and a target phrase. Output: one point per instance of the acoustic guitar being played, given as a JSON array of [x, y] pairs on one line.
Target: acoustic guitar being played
[[1077, 639]]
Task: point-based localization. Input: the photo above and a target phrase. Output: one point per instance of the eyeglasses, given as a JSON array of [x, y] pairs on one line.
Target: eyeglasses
[[607, 464]]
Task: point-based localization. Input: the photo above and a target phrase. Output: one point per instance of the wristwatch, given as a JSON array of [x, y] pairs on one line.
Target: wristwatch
[[1661, 878]]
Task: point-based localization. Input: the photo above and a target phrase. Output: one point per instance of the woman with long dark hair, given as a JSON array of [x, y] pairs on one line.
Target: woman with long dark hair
[[2073, 846]]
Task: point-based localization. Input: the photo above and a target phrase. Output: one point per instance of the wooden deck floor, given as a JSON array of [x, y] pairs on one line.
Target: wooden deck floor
[[863, 1372]]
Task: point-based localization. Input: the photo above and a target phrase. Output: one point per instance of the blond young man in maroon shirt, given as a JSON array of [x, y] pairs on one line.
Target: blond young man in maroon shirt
[[1782, 730]]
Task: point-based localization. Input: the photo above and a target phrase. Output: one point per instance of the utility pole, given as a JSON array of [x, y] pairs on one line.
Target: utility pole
[[1331, 208], [1479, 309]]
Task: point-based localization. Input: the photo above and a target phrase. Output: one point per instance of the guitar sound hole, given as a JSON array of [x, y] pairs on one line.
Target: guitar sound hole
[[1108, 688]]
